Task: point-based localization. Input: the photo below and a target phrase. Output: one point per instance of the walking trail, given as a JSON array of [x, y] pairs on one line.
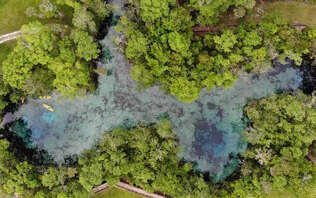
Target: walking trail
[[8, 37]]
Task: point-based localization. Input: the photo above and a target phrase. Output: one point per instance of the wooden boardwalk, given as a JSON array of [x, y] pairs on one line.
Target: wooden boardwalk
[[128, 187]]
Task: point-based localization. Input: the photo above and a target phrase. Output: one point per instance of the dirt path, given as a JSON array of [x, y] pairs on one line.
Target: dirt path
[[8, 37]]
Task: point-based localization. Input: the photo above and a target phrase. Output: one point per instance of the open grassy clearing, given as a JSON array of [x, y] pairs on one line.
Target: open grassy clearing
[[117, 193], [12, 14], [295, 12], [289, 194], [2, 195]]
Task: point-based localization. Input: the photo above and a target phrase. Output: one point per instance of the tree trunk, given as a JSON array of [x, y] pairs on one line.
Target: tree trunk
[[311, 158], [178, 2]]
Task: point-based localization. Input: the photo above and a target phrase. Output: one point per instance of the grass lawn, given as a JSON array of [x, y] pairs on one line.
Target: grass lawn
[[2, 195], [300, 12], [290, 194], [117, 193], [12, 14]]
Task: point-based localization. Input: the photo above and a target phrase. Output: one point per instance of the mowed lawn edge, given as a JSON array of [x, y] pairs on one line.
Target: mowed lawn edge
[[294, 11], [12, 14], [115, 192]]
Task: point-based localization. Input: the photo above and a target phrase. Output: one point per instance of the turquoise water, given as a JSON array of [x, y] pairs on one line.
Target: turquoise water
[[209, 130]]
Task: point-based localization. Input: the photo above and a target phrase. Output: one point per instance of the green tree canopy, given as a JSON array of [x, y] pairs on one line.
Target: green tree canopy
[[144, 156], [282, 130], [42, 61]]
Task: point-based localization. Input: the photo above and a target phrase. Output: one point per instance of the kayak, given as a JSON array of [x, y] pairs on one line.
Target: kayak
[[49, 108], [45, 97]]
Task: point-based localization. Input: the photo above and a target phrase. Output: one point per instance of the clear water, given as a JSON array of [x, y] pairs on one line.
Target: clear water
[[209, 130]]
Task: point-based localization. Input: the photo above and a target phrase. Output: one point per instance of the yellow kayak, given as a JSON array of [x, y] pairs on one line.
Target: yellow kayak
[[49, 108], [45, 97]]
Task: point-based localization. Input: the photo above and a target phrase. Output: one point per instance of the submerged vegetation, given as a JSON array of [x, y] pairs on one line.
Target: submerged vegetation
[[184, 47]]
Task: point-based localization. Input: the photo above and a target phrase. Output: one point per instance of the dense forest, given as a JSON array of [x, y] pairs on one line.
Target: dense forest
[[165, 48], [184, 47]]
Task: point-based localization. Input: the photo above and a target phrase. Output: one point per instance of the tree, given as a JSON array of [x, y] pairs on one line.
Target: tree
[[137, 46], [164, 51], [152, 10], [145, 157], [86, 47], [50, 178], [178, 20], [210, 11], [179, 43], [99, 7], [226, 41], [282, 129], [83, 19], [24, 67], [48, 9], [184, 90], [42, 61], [72, 80]]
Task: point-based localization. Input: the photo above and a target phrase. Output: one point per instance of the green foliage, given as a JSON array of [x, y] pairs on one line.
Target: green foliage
[[7, 96], [42, 61], [15, 176], [86, 13], [209, 11], [178, 20], [186, 91], [24, 67], [137, 46], [83, 19], [152, 10], [32, 181], [282, 130], [225, 42], [144, 156], [98, 7], [179, 43], [55, 57], [86, 48], [165, 51], [285, 40]]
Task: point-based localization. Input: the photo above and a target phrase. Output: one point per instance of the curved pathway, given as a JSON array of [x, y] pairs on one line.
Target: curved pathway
[[8, 37]]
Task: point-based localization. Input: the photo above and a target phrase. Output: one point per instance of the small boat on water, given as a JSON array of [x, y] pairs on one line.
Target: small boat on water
[[45, 97], [49, 108]]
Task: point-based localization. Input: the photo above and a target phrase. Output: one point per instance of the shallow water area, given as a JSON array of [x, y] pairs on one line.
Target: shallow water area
[[209, 130]]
